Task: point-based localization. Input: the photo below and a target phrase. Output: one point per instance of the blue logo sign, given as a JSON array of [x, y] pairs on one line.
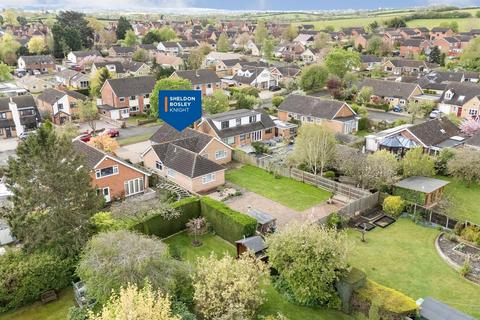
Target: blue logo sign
[[180, 108]]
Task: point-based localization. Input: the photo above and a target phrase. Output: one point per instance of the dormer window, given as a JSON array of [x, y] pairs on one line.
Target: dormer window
[[238, 121], [448, 95], [461, 98], [225, 125], [252, 119]]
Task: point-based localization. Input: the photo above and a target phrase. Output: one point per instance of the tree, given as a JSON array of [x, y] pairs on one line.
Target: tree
[[95, 24], [114, 259], [166, 84], [10, 17], [290, 33], [313, 78], [435, 56], [321, 40], [329, 28], [468, 127], [245, 100], [52, 194], [222, 43], [417, 109], [107, 37], [195, 59], [243, 39], [197, 227], [160, 72], [267, 48], [470, 58], [71, 30], [88, 112], [277, 100], [68, 130], [373, 26], [395, 23], [166, 34], [141, 55], [380, 170], [261, 32], [339, 61], [477, 14], [465, 165], [97, 81], [36, 45], [216, 103], [8, 49], [5, 74], [229, 288], [309, 260], [452, 25], [135, 303], [334, 86], [22, 21], [418, 163], [364, 95], [130, 39], [393, 206], [123, 25], [315, 146], [104, 142], [374, 45], [152, 36]]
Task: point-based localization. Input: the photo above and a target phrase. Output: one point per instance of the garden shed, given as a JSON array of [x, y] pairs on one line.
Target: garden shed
[[255, 244], [424, 191], [266, 222]]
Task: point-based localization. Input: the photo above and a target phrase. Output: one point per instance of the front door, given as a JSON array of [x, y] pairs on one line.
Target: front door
[[8, 132], [106, 194], [459, 112]]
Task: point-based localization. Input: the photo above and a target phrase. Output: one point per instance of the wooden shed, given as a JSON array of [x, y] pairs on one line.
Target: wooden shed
[[420, 190], [255, 244]]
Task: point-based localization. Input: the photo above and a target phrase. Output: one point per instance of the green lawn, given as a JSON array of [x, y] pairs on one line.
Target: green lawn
[[291, 193], [134, 139], [55, 310], [275, 302], [133, 120], [465, 205], [403, 257]]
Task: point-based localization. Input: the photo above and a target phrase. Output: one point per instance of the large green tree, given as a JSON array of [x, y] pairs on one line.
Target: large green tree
[[166, 84], [340, 61], [261, 32], [465, 165], [216, 103], [52, 194], [123, 25], [222, 44], [166, 34], [71, 31], [470, 58], [309, 260], [97, 80], [5, 74], [418, 163], [313, 78]]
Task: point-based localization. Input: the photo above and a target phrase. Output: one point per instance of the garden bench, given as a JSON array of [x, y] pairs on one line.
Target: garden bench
[[49, 295]]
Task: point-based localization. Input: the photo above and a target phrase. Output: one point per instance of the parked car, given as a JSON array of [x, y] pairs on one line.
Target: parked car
[[398, 108], [112, 132], [85, 137], [24, 135], [435, 114], [274, 88]]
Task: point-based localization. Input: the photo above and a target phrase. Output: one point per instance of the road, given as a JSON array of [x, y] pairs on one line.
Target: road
[[390, 116], [137, 131]]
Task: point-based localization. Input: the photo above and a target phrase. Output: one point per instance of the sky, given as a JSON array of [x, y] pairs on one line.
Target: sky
[[240, 4]]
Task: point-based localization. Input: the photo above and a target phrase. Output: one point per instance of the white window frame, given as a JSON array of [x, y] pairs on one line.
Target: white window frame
[[220, 154], [133, 187], [171, 173], [134, 109], [121, 99], [158, 165], [98, 172], [208, 178]]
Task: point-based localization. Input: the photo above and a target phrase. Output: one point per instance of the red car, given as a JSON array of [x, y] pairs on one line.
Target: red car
[[85, 137], [111, 132]]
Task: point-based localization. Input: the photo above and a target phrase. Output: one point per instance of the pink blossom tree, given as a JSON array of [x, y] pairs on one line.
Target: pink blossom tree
[[470, 127]]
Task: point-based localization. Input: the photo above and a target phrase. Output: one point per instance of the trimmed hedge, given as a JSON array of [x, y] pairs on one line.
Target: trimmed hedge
[[382, 106], [390, 304], [25, 276], [229, 224], [189, 208]]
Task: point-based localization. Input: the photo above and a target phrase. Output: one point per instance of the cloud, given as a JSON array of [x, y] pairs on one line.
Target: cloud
[[458, 3], [101, 4]]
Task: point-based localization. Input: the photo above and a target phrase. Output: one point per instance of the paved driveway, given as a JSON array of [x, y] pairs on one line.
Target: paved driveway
[[386, 116], [7, 149], [133, 151], [282, 213]]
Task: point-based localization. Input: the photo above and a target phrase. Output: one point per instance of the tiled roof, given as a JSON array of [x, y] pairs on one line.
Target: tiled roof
[[124, 87], [38, 59], [435, 131], [462, 92], [21, 101], [311, 106], [265, 123], [200, 76], [188, 138], [384, 88]]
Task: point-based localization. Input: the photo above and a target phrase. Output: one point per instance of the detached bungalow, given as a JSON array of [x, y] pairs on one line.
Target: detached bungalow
[[392, 92], [334, 114], [112, 177], [461, 99]]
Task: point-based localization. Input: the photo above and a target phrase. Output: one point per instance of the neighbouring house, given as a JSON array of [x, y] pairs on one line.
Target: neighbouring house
[[76, 57], [17, 115], [258, 77], [136, 68], [214, 57], [39, 63], [35, 84], [121, 52], [461, 99], [167, 61], [238, 128], [125, 96], [288, 73], [226, 67], [202, 79], [370, 62], [440, 33], [432, 135], [60, 105], [437, 81], [392, 92], [114, 68], [169, 47], [112, 177], [451, 46], [413, 47], [11, 89], [190, 158], [405, 66], [80, 80], [424, 191], [284, 129], [334, 114]]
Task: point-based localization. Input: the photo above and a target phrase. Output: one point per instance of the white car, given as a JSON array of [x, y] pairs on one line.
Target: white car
[[435, 114]]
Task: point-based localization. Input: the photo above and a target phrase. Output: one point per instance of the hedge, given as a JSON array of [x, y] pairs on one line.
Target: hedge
[[189, 208], [391, 304], [24, 277], [410, 195], [382, 106], [229, 224]]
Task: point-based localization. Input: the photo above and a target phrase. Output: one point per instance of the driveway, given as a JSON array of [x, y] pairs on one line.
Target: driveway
[[137, 131], [386, 116], [7, 149], [250, 200], [133, 151]]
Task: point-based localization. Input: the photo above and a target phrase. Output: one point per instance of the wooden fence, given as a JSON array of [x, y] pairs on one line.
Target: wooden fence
[[434, 217]]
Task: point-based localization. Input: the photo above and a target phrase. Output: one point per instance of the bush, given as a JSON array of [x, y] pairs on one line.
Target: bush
[[363, 123], [334, 221], [391, 304], [77, 313], [382, 106], [465, 269], [189, 208], [329, 174], [277, 100], [229, 224], [393, 206], [260, 147], [471, 233], [24, 277]]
